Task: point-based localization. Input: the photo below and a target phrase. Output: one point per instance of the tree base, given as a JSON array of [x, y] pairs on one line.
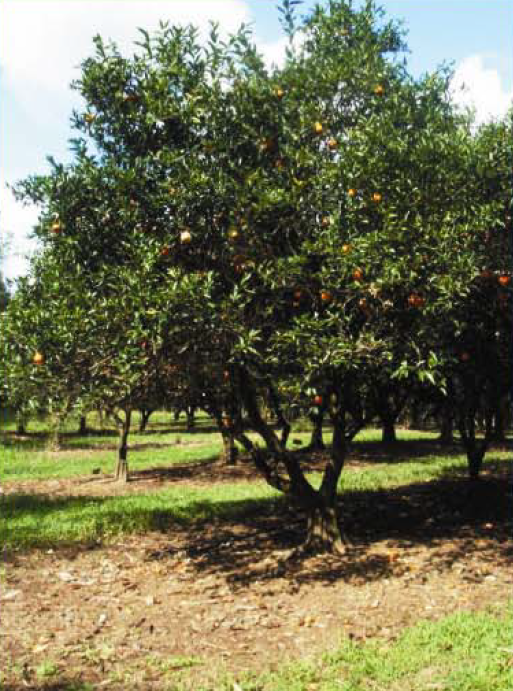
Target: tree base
[[121, 475], [323, 533]]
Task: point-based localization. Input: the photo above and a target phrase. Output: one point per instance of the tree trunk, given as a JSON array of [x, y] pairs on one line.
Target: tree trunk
[[388, 434], [82, 427], [21, 426], [475, 462], [145, 416], [190, 418], [446, 426], [230, 451], [499, 420], [122, 464], [316, 440], [323, 531]]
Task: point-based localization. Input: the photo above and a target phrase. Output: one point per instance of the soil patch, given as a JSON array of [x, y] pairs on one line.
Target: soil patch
[[140, 612]]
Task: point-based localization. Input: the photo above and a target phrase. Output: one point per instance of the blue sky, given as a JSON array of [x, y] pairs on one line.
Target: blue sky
[[35, 99]]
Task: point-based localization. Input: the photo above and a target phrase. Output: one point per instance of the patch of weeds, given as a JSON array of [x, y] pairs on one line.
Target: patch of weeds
[[47, 670]]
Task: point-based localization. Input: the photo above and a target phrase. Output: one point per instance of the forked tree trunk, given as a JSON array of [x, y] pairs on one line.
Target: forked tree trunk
[[124, 430], [145, 416]]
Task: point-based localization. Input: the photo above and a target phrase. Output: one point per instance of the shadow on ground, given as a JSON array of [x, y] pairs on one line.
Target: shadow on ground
[[242, 540]]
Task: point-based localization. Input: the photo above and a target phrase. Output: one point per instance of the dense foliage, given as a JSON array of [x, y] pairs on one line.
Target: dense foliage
[[329, 233]]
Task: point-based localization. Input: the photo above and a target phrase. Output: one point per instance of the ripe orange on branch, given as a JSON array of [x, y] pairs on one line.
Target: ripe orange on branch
[[56, 227], [38, 359], [326, 296], [318, 400], [332, 143], [504, 280], [379, 90], [351, 192], [415, 300], [318, 128], [346, 249], [376, 197], [185, 237], [357, 275]]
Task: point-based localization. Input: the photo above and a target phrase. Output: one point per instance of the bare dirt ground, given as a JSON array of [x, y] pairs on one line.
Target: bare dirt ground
[[137, 613]]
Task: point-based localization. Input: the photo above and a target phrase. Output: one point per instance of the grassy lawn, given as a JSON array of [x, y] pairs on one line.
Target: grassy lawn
[[463, 652], [30, 520]]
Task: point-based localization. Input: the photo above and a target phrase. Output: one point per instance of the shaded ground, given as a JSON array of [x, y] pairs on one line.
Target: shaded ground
[[135, 613]]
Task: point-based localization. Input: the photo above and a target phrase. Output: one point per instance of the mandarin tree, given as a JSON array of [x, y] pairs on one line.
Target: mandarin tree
[[306, 228]]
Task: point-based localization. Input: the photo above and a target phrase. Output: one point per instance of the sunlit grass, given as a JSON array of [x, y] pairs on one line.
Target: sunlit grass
[[462, 652]]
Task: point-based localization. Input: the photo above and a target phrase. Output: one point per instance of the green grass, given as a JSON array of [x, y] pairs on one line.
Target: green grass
[[462, 652], [20, 463], [31, 520]]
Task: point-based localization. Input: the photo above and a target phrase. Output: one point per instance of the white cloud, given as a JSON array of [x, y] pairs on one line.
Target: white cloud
[[16, 223], [42, 42], [479, 87]]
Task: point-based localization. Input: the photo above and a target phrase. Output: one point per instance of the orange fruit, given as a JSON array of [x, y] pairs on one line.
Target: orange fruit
[[332, 143], [351, 192], [164, 251], [346, 249], [504, 280], [326, 296], [376, 197], [357, 274], [185, 237], [318, 128], [318, 400], [56, 227], [325, 222], [379, 90], [38, 359], [279, 93]]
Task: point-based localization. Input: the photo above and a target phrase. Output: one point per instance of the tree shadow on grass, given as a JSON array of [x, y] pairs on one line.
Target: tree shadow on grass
[[242, 539]]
